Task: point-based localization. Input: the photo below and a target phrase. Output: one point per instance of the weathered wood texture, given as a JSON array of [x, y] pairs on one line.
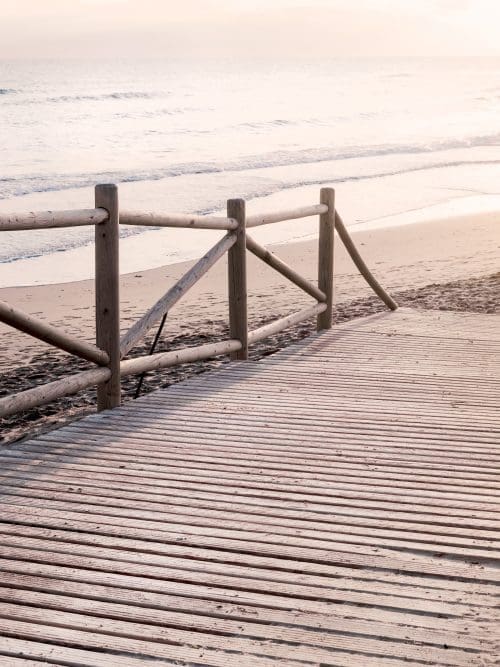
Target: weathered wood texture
[[325, 256], [284, 322], [237, 280], [282, 267], [37, 328], [159, 360], [334, 504], [45, 393], [361, 265], [291, 214], [11, 222], [154, 219], [107, 293]]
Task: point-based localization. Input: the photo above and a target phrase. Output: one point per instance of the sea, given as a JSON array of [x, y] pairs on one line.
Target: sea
[[393, 136]]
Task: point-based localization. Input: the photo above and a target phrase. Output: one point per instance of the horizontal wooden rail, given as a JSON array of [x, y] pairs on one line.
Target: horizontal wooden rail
[[32, 398], [49, 334], [10, 222], [184, 221], [280, 216], [186, 355], [285, 322], [360, 264], [175, 293], [279, 265]]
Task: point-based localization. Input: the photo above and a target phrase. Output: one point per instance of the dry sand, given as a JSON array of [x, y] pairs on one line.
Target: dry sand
[[404, 259]]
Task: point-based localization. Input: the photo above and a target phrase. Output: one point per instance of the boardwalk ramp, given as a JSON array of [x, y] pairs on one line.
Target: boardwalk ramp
[[334, 504]]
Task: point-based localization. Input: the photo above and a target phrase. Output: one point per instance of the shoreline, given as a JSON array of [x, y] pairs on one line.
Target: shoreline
[[383, 202]]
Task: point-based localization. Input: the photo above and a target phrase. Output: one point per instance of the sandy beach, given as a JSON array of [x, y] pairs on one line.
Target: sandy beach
[[442, 263]]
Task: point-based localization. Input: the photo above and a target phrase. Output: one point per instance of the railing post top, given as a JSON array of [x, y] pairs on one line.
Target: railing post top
[[327, 195], [106, 197], [106, 186], [236, 209]]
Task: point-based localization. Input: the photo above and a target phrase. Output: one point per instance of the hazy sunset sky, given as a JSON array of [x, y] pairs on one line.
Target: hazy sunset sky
[[300, 28]]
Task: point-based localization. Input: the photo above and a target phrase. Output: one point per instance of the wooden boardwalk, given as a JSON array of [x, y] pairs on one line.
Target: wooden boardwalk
[[334, 504]]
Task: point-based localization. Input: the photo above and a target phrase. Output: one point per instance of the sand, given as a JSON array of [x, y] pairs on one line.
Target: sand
[[411, 260]]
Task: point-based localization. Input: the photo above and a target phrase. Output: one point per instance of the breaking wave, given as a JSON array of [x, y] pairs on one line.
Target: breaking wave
[[43, 182]]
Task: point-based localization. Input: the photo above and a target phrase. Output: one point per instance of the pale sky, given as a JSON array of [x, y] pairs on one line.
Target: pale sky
[[266, 28]]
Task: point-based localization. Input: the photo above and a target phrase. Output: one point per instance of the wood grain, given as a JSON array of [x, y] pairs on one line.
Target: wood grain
[[237, 280], [34, 326], [107, 293], [325, 256], [10, 222], [335, 503], [155, 219]]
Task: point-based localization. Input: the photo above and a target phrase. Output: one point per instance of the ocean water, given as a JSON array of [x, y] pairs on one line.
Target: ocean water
[[185, 136]]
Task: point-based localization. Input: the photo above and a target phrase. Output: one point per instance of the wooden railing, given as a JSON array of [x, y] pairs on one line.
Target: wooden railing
[[110, 349]]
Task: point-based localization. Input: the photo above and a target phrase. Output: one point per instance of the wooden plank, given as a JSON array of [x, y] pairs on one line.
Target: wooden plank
[[387, 607], [213, 614], [193, 560], [319, 483], [360, 513], [160, 625], [315, 420], [356, 535], [420, 448], [267, 403], [273, 464], [453, 455], [398, 525], [88, 636], [345, 495], [392, 501], [190, 565], [22, 662], [147, 552], [295, 509], [53, 654], [433, 562], [187, 449], [344, 504], [356, 540]]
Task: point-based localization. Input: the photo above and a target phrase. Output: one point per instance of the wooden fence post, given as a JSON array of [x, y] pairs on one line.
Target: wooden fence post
[[325, 256], [237, 279], [107, 293]]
